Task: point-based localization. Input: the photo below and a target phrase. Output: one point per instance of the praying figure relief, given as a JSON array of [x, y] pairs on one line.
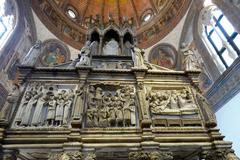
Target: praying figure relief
[[31, 58], [45, 106], [111, 108], [10, 104], [179, 102]]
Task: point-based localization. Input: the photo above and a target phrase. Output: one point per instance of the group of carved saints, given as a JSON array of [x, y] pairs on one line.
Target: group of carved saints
[[46, 105], [111, 108]]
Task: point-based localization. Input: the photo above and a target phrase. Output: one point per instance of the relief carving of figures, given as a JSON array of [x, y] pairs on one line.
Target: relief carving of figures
[[45, 106], [137, 55], [150, 155], [60, 107], [67, 106], [111, 48], [223, 154], [32, 56], [94, 48], [127, 50], [26, 117], [39, 107], [51, 105], [79, 103], [111, 108], [191, 61], [85, 55], [21, 110], [209, 116], [10, 103], [171, 102]]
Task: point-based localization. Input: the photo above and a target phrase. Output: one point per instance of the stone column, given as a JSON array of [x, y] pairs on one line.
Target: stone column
[[100, 50], [121, 43]]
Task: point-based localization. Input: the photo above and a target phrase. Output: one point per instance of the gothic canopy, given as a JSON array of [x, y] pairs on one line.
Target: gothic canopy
[[68, 19]]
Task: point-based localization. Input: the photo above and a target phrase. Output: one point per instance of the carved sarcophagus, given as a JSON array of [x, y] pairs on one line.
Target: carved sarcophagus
[[110, 105]]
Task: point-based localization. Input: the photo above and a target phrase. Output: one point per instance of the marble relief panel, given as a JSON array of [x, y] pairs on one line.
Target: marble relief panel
[[111, 106], [45, 105]]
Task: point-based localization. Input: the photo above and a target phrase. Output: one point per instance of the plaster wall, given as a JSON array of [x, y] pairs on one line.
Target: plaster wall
[[172, 38], [44, 34]]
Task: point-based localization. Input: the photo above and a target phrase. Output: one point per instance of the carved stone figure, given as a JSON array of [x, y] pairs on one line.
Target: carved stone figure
[[209, 116], [10, 103], [22, 108], [98, 97], [111, 109], [138, 57], [190, 61], [51, 105], [37, 115], [103, 117], [85, 55], [66, 156], [67, 106], [94, 48], [111, 48], [168, 102], [79, 104], [148, 155], [60, 107], [31, 58], [26, 119], [223, 154], [127, 48]]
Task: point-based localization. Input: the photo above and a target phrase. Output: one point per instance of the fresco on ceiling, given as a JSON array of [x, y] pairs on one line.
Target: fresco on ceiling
[[163, 55], [54, 53]]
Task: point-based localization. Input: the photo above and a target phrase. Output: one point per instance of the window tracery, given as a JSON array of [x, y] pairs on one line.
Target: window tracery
[[220, 37], [7, 20]]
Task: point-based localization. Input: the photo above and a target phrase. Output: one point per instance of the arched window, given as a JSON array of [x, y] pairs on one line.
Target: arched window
[[7, 20], [220, 36]]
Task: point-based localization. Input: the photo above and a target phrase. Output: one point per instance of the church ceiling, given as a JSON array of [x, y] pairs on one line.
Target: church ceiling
[[68, 19]]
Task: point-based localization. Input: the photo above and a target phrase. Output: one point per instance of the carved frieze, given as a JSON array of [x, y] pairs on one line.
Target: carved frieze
[[171, 102], [111, 106], [148, 155], [45, 105]]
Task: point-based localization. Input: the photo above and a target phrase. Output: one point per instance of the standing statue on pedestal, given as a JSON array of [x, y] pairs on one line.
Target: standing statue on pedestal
[[85, 55], [190, 60], [138, 57], [31, 58], [10, 103], [111, 48]]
